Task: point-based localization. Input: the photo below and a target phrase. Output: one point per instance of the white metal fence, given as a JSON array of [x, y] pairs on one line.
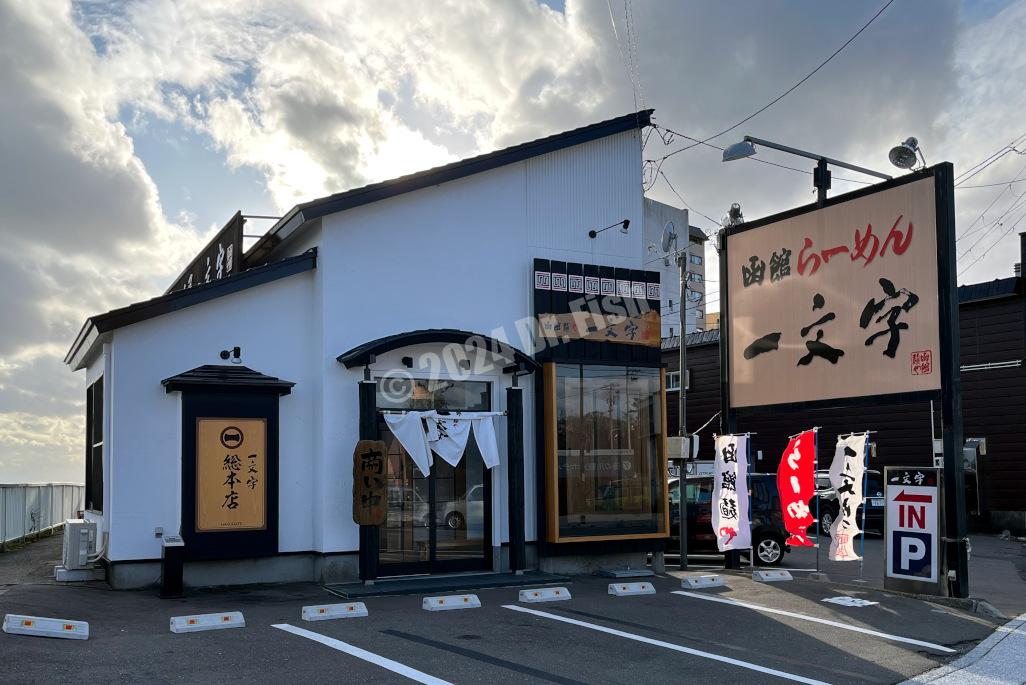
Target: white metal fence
[[31, 509]]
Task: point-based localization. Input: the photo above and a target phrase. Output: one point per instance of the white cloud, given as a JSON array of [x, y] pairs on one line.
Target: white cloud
[[81, 225]]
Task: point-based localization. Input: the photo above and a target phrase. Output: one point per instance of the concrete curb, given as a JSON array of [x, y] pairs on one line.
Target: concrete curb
[[972, 657]]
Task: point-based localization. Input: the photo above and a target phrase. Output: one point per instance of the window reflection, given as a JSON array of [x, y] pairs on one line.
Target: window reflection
[[609, 437]]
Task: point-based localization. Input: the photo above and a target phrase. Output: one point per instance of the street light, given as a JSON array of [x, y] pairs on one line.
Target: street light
[[820, 175]]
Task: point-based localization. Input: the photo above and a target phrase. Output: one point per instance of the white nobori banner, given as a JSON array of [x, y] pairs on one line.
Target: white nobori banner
[[730, 520], [847, 472]]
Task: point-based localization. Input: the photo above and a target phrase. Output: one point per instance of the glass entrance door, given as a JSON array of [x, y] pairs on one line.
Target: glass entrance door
[[440, 522]]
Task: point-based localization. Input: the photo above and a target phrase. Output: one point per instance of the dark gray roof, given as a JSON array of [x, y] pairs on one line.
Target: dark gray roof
[[999, 287], [226, 376], [180, 299], [375, 192], [694, 339], [697, 234]]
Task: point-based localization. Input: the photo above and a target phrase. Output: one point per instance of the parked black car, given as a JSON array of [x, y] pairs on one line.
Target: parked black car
[[768, 532], [829, 505]]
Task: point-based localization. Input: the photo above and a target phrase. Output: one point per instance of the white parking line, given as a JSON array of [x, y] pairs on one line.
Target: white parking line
[[394, 666], [667, 645], [836, 624]]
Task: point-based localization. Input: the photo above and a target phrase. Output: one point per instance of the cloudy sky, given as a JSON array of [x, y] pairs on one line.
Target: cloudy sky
[[131, 130]]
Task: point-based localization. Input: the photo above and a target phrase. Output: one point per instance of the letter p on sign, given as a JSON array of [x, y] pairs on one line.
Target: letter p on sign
[[910, 554]]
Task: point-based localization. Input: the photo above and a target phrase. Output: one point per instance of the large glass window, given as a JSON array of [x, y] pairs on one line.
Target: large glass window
[[609, 473]]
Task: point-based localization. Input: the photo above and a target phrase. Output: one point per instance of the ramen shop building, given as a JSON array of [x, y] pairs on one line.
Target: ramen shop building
[[456, 370]]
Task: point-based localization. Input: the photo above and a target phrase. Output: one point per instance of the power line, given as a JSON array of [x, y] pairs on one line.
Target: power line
[[681, 198], [616, 35], [792, 88], [659, 163], [988, 160], [995, 244], [632, 45], [968, 230], [1011, 206], [995, 224], [993, 185]]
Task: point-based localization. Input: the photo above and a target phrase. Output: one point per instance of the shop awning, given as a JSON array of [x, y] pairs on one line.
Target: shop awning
[[361, 355]]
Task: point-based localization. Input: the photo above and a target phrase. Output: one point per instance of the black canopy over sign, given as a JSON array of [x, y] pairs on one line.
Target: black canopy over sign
[[221, 257]]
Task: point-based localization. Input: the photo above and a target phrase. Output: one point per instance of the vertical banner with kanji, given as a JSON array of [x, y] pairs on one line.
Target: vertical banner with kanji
[[231, 464], [847, 473], [370, 493], [796, 485], [730, 520]]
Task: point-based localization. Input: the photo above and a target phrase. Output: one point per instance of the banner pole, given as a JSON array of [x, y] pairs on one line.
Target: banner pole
[[815, 475], [748, 478], [865, 485]]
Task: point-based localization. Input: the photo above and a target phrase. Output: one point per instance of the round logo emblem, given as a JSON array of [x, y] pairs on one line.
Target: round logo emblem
[[231, 437]]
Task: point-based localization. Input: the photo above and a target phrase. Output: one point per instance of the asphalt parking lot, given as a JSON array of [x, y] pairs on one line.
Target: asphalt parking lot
[[769, 633]]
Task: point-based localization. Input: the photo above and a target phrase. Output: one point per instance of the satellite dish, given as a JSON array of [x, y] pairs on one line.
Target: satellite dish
[[669, 237], [903, 156]]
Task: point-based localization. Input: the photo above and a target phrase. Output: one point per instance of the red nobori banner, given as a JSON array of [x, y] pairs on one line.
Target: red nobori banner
[[836, 302], [796, 485]]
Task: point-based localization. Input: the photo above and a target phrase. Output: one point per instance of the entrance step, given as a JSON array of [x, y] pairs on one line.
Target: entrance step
[[458, 582]]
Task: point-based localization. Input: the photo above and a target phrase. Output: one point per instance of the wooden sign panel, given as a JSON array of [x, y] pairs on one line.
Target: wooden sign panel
[[370, 493], [642, 328], [837, 303], [231, 474]]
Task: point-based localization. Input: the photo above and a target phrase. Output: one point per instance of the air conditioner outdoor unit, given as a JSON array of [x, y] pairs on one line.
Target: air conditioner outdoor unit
[[79, 543]]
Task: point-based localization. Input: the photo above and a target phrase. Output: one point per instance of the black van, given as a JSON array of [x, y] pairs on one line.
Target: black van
[[768, 532]]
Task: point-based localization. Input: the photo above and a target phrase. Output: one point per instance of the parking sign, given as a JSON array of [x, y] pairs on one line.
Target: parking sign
[[913, 500]]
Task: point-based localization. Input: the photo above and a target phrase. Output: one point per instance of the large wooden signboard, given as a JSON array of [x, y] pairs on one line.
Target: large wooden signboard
[[839, 302], [370, 492], [231, 474]]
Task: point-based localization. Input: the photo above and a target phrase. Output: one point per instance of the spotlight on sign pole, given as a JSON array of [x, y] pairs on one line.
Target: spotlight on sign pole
[[904, 154]]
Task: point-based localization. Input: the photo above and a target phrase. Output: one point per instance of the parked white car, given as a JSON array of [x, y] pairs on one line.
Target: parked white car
[[470, 504]]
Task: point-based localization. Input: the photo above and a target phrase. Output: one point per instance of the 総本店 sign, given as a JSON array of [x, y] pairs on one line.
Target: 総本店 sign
[[913, 506], [231, 474], [837, 302]]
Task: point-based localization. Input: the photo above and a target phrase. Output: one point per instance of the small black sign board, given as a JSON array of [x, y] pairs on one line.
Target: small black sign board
[[221, 257]]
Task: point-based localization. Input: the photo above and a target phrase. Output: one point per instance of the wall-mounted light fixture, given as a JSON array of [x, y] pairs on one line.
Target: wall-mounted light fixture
[[235, 354], [622, 224]]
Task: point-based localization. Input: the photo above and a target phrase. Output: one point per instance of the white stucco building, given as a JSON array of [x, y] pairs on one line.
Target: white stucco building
[[450, 290]]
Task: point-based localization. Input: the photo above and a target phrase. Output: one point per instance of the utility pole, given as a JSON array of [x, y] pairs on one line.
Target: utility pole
[[685, 441]]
